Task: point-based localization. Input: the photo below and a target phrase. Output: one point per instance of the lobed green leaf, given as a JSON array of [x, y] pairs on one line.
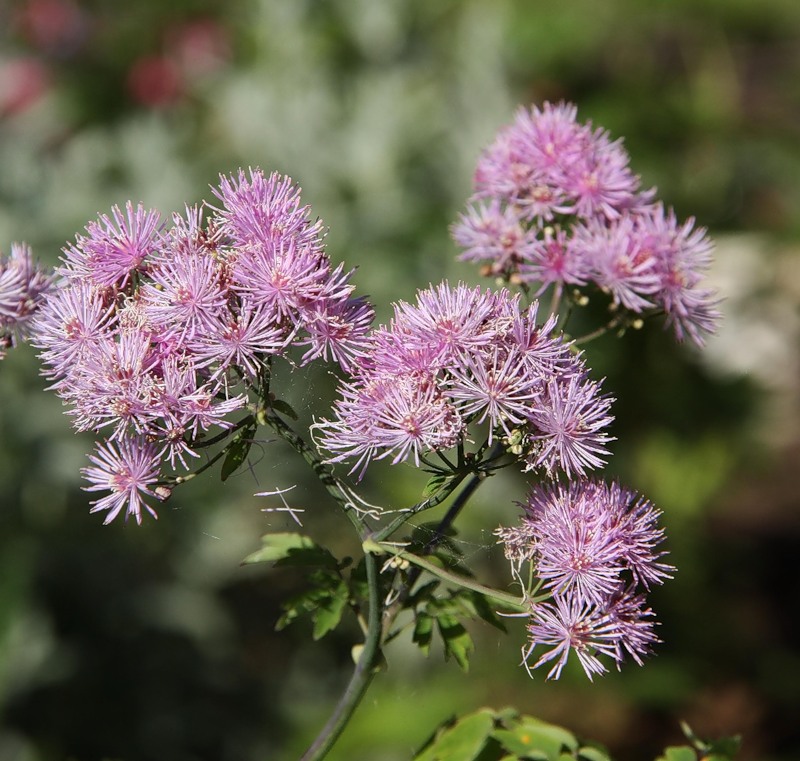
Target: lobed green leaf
[[287, 549], [462, 740], [423, 632], [238, 450], [457, 642]]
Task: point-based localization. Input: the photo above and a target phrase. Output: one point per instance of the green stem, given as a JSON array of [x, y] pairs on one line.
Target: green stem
[[322, 471], [510, 602], [365, 667], [555, 302], [454, 509], [183, 479], [361, 677], [202, 443], [432, 501], [601, 331]]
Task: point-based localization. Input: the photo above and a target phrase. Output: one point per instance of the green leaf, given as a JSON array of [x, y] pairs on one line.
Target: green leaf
[[462, 741], [535, 739], [477, 606], [328, 613], [521, 747], [447, 561], [324, 601], [284, 408], [593, 753], [286, 548], [679, 753], [727, 747], [359, 586], [308, 556], [423, 632], [423, 594], [446, 548], [436, 484], [457, 642], [238, 450]]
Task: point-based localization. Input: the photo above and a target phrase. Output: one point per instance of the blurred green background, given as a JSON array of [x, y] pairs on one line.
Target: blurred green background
[[152, 642]]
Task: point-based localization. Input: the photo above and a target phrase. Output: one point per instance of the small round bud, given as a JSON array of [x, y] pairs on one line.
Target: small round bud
[[163, 493]]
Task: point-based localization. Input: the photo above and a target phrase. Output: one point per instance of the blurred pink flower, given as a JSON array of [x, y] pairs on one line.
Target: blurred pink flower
[[23, 82], [155, 81], [55, 27], [199, 47]]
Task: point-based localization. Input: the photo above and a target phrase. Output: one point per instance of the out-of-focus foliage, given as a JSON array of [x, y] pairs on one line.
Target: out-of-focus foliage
[[507, 736], [154, 642]]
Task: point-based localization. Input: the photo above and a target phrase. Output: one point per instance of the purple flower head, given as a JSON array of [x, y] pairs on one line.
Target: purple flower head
[[556, 204], [337, 330], [592, 545], [265, 211], [115, 385], [401, 416], [635, 623], [576, 551], [599, 181], [569, 625], [23, 290], [114, 247], [548, 164], [570, 424], [447, 320], [185, 292], [494, 234], [620, 261], [469, 358], [498, 386], [240, 340], [69, 326], [129, 469], [158, 335], [683, 255], [587, 537], [553, 258], [283, 280]]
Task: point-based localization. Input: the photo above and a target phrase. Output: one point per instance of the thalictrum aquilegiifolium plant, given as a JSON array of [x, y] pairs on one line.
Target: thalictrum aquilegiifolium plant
[[160, 337]]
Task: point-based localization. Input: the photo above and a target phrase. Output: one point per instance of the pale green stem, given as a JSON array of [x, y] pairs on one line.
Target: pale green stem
[[510, 602]]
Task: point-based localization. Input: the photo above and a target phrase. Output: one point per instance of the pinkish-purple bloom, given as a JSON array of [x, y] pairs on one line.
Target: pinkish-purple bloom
[[568, 625], [470, 360], [556, 205], [114, 247], [23, 290], [158, 334], [129, 470], [592, 545]]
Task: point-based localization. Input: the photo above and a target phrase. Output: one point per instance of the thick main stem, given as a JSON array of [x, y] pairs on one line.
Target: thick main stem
[[365, 667], [361, 677]]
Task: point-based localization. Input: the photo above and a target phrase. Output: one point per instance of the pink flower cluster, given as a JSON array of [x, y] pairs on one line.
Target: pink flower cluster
[[556, 204], [594, 547], [463, 356], [155, 335], [23, 288]]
